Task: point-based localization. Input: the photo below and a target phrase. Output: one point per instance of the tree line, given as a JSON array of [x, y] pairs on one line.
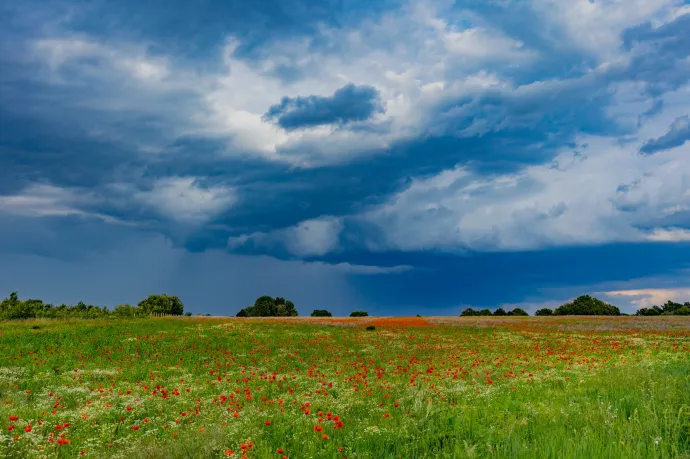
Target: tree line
[[266, 306], [13, 308], [670, 308], [584, 305]]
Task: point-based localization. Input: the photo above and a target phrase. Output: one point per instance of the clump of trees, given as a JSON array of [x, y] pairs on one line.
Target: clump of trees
[[670, 308], [544, 312], [267, 306], [469, 312], [359, 314], [12, 308], [586, 305], [321, 313]]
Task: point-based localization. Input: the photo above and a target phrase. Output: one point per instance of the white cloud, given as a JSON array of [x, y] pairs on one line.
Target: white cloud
[[596, 26], [607, 192], [648, 297], [181, 199], [439, 60], [133, 60], [45, 200], [314, 237], [670, 235], [184, 200]]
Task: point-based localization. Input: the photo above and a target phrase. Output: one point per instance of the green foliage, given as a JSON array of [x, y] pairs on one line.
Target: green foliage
[[587, 306], [670, 308], [13, 308], [321, 313], [161, 304], [682, 311], [359, 314], [544, 312], [371, 328], [500, 312], [267, 306]]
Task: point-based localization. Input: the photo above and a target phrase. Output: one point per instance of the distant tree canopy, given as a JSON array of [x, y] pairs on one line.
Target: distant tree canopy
[[500, 312], [14, 308], [321, 313], [161, 304], [544, 312], [359, 314], [267, 306], [586, 305], [670, 308]]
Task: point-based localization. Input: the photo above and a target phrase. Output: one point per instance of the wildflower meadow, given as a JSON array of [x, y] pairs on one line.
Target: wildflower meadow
[[552, 387]]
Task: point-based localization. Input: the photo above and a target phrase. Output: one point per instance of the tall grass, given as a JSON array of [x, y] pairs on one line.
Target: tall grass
[[460, 392]]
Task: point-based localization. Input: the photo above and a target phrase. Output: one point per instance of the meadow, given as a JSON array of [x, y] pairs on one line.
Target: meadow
[[554, 387]]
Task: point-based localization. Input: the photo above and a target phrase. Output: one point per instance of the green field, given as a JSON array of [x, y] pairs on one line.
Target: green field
[[301, 388]]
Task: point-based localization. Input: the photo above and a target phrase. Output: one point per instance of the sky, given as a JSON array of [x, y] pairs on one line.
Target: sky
[[401, 157]]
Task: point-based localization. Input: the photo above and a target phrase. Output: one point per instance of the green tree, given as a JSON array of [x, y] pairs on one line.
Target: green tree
[[264, 306], [321, 313], [500, 312], [359, 314], [518, 312], [469, 312], [544, 312], [586, 305], [161, 304]]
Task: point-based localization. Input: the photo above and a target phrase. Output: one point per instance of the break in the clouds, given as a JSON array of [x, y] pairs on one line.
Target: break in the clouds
[[414, 153]]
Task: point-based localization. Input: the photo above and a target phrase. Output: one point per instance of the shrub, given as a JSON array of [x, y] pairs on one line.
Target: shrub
[[321, 313], [500, 312], [371, 328], [359, 314], [587, 306], [518, 312], [544, 312]]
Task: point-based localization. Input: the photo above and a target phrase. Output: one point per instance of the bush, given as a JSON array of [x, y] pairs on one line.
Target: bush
[[518, 312], [587, 306], [359, 314], [500, 312], [371, 328], [544, 312], [321, 313]]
